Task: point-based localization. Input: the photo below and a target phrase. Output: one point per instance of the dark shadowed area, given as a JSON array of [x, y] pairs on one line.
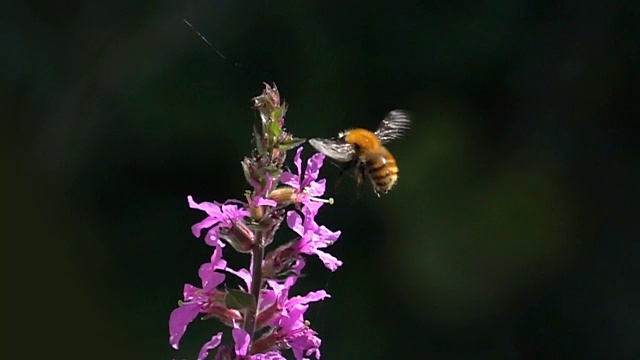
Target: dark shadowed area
[[513, 232]]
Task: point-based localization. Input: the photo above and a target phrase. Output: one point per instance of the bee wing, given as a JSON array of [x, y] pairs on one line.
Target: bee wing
[[336, 150], [393, 126]]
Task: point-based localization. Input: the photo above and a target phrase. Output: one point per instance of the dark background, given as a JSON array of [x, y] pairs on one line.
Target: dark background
[[513, 231]]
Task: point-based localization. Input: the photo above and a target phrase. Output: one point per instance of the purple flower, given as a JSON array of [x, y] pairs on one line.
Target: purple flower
[[196, 300], [278, 290], [271, 355], [260, 193], [242, 342], [306, 186], [219, 216], [277, 296], [243, 274], [313, 237], [210, 345], [294, 332], [285, 317]]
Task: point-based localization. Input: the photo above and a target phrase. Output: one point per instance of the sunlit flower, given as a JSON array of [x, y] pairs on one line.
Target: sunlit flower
[[207, 300], [210, 345], [305, 187], [242, 343], [297, 335], [291, 331], [220, 216], [284, 315], [259, 193], [313, 237]]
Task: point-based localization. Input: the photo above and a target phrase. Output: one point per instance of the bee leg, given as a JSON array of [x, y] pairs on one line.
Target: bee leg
[[360, 174], [340, 174], [343, 168]]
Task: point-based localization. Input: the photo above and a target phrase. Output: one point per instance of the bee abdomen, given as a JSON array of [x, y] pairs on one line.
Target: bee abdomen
[[383, 172]]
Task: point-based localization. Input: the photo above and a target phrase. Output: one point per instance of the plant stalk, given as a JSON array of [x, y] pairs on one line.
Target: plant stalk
[[257, 255]]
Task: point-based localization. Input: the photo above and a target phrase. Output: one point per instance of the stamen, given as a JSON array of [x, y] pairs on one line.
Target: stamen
[[328, 201]]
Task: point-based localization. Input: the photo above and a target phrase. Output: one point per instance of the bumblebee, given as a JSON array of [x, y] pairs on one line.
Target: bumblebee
[[365, 149]]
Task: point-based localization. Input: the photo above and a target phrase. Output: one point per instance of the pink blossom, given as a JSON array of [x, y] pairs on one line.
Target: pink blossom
[[307, 188], [313, 237], [219, 216], [196, 300]]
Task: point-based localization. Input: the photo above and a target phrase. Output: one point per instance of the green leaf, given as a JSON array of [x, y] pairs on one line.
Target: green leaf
[[239, 300], [258, 139], [274, 130], [291, 143], [274, 172], [277, 113], [245, 171]]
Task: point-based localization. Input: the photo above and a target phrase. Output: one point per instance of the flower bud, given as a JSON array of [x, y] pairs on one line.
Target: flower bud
[[278, 263], [267, 314], [269, 99], [266, 343], [226, 352], [271, 109], [222, 313], [239, 236], [249, 170], [257, 212], [283, 195], [217, 308]]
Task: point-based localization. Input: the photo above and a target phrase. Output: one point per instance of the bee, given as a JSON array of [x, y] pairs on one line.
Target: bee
[[366, 150]]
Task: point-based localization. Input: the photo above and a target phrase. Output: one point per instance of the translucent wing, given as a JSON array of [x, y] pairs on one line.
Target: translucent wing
[[393, 126], [337, 150]]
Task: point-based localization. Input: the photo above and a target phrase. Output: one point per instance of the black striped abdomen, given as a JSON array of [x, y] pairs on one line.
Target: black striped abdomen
[[382, 170]]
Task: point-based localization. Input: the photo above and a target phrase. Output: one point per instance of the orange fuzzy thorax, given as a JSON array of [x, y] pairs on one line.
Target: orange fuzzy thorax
[[379, 164], [364, 139]]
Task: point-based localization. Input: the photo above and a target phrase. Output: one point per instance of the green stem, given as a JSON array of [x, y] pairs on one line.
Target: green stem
[[257, 255]]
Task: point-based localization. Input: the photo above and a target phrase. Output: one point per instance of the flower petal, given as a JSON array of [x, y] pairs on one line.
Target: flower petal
[[209, 345], [178, 321], [271, 355], [266, 202], [310, 210], [314, 163], [233, 213], [210, 278], [294, 320], [294, 220], [208, 222], [243, 274], [216, 259], [290, 179], [211, 209], [242, 340], [310, 297], [212, 238], [317, 188], [298, 161], [330, 262], [309, 342], [189, 292], [327, 235]]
